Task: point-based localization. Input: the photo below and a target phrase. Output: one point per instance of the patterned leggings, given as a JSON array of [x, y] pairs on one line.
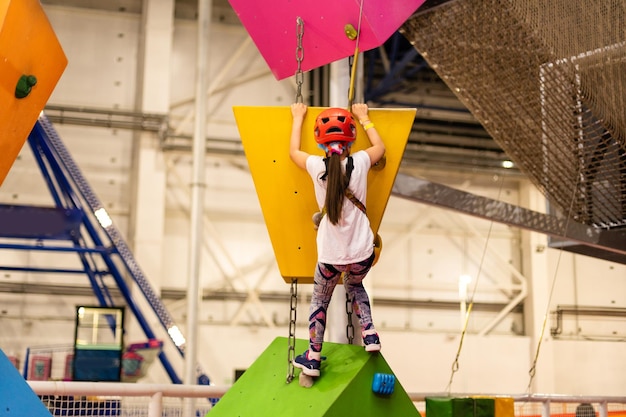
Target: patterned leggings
[[325, 279]]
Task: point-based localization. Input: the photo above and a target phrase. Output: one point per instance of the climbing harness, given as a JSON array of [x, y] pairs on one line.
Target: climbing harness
[[317, 217]]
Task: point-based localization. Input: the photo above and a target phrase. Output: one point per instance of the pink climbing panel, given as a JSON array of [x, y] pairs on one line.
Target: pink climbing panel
[[272, 27]]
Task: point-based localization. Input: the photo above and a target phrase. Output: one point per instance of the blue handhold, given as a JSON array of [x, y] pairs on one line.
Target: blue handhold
[[383, 384]]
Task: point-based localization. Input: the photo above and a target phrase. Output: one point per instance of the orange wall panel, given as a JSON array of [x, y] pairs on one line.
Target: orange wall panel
[[28, 47]]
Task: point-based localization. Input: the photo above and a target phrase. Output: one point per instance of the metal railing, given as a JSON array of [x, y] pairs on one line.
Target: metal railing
[[158, 400]]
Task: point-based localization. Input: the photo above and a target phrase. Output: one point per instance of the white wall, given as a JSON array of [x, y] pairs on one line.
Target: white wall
[[425, 250]]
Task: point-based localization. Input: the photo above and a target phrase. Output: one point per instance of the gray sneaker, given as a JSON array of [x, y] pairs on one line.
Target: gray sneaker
[[372, 342]]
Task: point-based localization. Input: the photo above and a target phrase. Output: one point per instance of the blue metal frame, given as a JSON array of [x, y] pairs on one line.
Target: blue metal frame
[[94, 243], [401, 54]]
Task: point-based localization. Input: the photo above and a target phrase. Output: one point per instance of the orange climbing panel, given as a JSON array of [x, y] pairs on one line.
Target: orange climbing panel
[[285, 191], [31, 63]]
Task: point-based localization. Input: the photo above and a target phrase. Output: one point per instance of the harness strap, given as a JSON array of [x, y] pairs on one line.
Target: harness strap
[[355, 200], [348, 192]]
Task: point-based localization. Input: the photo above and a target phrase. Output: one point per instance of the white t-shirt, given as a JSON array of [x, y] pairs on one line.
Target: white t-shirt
[[351, 239]]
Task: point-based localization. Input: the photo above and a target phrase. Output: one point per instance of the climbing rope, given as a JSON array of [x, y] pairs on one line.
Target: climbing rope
[[533, 369], [353, 60], [455, 363]]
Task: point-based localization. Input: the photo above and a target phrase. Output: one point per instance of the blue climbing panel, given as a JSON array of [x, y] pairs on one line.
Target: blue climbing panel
[[17, 399]]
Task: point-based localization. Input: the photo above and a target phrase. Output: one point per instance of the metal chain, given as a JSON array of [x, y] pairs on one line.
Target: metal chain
[[350, 326], [291, 352], [299, 58]]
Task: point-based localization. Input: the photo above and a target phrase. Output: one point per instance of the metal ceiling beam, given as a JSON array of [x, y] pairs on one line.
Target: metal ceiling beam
[[177, 294], [588, 240]]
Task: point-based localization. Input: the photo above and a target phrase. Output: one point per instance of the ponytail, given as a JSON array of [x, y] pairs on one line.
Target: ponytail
[[336, 184]]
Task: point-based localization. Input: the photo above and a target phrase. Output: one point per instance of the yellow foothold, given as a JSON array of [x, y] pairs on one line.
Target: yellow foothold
[[378, 247], [350, 31], [380, 164]]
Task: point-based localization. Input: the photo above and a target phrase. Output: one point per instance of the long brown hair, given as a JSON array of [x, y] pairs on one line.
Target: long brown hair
[[336, 184]]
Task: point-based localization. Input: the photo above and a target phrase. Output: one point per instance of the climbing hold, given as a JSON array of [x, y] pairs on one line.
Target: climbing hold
[[317, 218], [350, 31], [378, 247], [305, 381], [25, 85], [383, 384], [380, 164]]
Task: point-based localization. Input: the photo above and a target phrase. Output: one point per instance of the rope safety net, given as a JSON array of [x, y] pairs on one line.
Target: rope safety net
[[547, 80]]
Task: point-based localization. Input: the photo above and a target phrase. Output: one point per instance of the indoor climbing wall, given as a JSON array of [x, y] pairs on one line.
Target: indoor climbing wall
[[31, 63], [329, 29], [285, 191]]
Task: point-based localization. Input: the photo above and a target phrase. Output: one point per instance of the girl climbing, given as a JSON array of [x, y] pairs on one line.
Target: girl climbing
[[344, 236]]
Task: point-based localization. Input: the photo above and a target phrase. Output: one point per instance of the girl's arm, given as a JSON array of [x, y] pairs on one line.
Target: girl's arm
[[377, 148], [299, 157]]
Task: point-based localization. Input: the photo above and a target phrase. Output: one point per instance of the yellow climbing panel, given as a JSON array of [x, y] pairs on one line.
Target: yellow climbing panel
[[285, 191], [31, 63]]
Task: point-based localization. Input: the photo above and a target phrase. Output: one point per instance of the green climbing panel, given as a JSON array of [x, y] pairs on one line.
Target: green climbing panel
[[460, 407], [343, 389]]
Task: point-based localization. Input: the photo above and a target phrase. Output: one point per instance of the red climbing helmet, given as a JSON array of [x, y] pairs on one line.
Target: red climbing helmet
[[335, 125]]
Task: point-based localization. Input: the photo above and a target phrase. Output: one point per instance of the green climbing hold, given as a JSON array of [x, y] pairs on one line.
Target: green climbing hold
[[25, 85]]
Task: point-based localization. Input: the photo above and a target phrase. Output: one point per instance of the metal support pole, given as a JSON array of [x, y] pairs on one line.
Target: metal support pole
[[545, 409], [198, 185], [155, 407]]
